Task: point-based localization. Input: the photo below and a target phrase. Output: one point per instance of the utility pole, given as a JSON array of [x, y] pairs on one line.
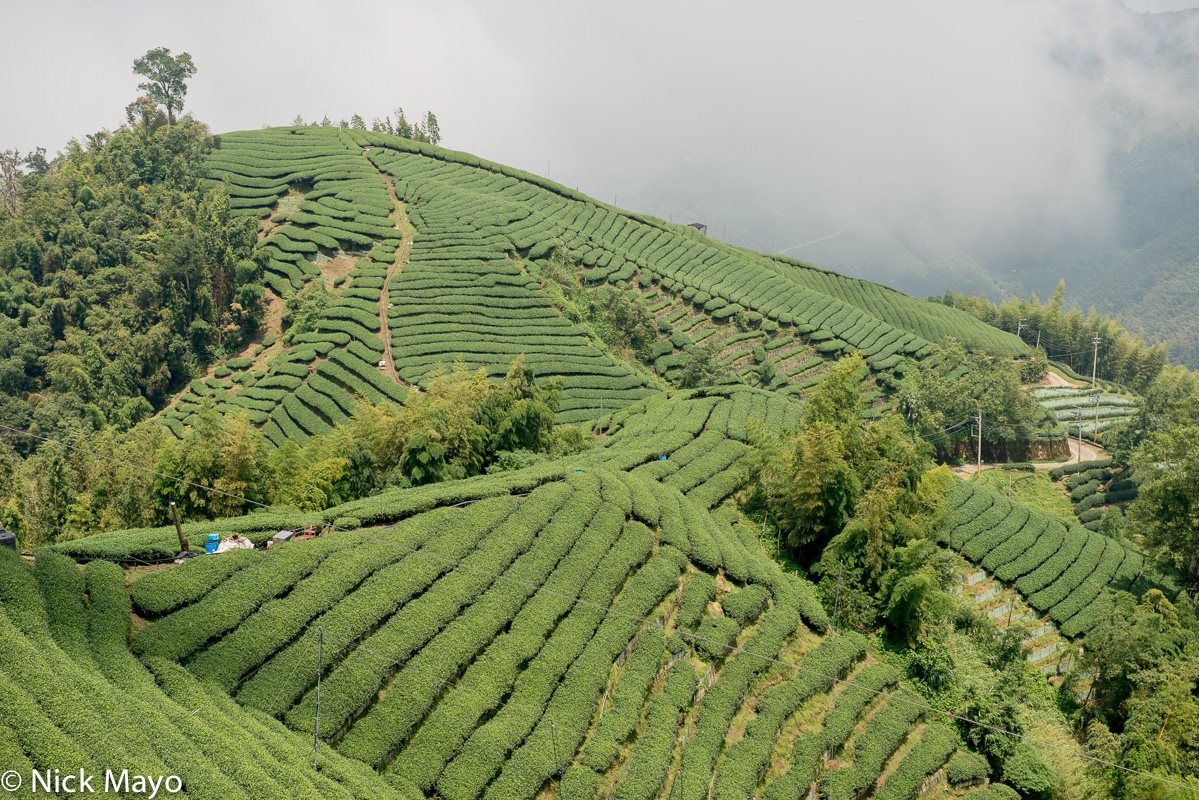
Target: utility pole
[[1078, 416], [599, 426], [1020, 326], [558, 760], [836, 648], [316, 727], [183, 545], [1097, 397], [980, 442], [1038, 338], [1095, 361]]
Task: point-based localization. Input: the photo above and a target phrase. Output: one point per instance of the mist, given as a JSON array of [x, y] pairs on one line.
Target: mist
[[783, 127]]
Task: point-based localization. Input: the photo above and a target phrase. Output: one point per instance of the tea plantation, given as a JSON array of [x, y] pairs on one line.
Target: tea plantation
[[448, 252], [588, 627], [598, 624]]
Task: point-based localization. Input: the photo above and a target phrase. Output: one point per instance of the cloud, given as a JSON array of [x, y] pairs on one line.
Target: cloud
[[980, 116]]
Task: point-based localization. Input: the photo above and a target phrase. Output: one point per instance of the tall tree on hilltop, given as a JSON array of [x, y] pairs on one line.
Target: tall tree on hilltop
[[10, 181], [432, 130], [165, 75]]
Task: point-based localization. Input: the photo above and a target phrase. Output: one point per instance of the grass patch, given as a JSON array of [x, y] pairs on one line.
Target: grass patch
[[1031, 488]]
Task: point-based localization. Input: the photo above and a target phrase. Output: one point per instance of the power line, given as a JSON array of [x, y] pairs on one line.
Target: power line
[[951, 428], [891, 697]]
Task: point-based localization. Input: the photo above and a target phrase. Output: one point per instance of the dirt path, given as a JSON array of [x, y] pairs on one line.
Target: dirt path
[[1053, 379], [401, 257]]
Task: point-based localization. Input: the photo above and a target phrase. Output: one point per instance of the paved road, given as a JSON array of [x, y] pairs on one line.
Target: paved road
[[1090, 452]]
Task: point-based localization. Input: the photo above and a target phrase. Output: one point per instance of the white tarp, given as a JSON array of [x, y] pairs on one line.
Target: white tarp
[[234, 542]]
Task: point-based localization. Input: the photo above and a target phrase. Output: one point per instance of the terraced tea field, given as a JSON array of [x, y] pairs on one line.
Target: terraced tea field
[[1065, 572], [601, 632], [594, 626], [1088, 411], [445, 251]]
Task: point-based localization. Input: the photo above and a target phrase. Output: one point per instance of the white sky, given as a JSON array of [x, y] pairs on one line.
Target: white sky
[[956, 107]]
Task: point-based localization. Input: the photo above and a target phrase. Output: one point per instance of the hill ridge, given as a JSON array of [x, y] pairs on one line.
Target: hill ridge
[[468, 283]]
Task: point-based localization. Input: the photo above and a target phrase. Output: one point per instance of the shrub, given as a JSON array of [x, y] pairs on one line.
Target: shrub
[[222, 372], [1071, 469], [649, 762], [1081, 478], [347, 523], [628, 700], [268, 341], [714, 636], [699, 591], [938, 741], [1028, 773], [883, 735], [745, 606], [966, 767], [165, 590], [188, 629], [747, 758]]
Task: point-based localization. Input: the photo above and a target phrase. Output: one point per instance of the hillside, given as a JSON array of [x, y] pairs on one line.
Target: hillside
[[80, 701], [603, 613], [433, 256], [589, 617]]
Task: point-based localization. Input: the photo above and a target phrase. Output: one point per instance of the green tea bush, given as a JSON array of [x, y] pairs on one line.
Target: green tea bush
[[966, 767], [744, 606]]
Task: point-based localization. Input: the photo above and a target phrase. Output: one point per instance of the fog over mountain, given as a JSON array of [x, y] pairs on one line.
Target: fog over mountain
[[927, 144]]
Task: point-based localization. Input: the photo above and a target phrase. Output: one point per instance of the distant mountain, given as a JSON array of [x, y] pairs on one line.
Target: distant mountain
[[1142, 262]]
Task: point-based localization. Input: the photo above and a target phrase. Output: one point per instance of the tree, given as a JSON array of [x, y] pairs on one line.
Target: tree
[[1025, 770], [1166, 512], [10, 180], [165, 75], [432, 130], [700, 367], [36, 161], [915, 589]]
